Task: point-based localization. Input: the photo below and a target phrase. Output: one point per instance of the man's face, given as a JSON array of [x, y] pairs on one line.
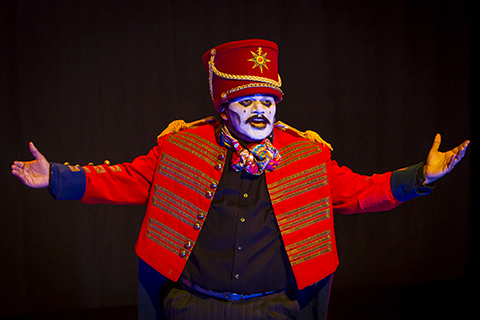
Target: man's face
[[251, 118]]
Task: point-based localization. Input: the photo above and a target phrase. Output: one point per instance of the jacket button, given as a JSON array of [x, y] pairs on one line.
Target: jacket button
[[188, 244], [201, 215], [208, 194], [213, 185], [196, 226], [221, 156], [182, 253], [218, 166]]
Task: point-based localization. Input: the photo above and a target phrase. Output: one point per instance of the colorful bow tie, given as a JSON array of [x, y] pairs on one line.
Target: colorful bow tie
[[257, 158]]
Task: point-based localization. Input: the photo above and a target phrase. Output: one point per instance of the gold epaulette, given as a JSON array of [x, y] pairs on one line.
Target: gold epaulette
[[179, 125], [309, 134]]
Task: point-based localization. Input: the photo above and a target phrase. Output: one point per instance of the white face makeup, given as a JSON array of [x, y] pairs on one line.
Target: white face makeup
[[251, 118]]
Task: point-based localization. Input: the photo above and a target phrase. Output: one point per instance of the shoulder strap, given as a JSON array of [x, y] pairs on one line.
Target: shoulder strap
[[179, 125], [309, 134]]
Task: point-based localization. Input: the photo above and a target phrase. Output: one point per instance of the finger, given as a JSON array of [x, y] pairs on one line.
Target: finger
[[452, 162], [19, 164], [34, 151], [18, 173], [461, 153], [461, 149], [436, 142]]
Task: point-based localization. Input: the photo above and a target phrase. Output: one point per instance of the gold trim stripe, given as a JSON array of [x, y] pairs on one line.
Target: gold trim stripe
[[294, 216], [293, 160], [174, 238], [304, 222], [182, 176], [304, 150], [115, 168], [188, 146], [161, 235], [297, 147], [225, 94], [307, 186], [327, 247], [175, 202], [308, 242], [178, 235], [99, 169], [179, 201], [166, 207], [213, 147], [294, 178], [191, 170], [309, 206], [155, 237]]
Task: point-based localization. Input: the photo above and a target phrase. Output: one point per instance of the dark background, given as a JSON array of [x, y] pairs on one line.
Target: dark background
[[93, 80]]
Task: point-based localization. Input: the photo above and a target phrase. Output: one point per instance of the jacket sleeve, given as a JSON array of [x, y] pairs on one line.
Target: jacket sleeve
[[355, 193], [127, 183]]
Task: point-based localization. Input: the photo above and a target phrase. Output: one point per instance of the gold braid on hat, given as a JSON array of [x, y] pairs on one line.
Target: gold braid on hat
[[259, 81]]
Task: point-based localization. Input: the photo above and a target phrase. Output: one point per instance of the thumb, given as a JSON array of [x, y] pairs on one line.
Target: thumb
[[34, 151], [436, 143]]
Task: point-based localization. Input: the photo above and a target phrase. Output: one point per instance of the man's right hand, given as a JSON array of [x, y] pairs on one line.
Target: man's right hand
[[34, 174]]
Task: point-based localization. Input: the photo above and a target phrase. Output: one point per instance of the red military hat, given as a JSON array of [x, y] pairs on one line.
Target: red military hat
[[241, 68]]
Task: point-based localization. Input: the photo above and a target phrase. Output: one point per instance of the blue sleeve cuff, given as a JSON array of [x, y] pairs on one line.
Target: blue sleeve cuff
[[67, 182], [407, 183]]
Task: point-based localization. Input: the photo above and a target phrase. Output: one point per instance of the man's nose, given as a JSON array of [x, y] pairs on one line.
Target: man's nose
[[258, 107]]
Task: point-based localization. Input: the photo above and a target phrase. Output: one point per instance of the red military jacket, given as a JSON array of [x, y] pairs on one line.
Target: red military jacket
[[178, 178]]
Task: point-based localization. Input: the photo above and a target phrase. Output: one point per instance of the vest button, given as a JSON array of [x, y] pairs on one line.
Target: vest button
[[196, 226], [182, 253]]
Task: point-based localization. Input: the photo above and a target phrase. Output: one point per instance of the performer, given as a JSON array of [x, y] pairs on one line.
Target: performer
[[239, 212]]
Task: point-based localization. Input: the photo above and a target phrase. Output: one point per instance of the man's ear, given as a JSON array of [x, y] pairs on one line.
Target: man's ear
[[223, 115]]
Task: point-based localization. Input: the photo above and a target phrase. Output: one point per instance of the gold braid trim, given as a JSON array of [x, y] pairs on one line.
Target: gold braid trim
[[309, 134], [260, 81], [179, 125]]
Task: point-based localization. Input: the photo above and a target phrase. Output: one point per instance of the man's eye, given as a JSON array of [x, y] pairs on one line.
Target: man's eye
[[245, 103], [267, 103]]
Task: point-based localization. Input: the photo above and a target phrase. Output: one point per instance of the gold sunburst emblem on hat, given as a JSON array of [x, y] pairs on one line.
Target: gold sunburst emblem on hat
[[259, 59]]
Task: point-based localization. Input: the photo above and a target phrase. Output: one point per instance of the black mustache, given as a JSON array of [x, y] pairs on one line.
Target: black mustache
[[257, 117]]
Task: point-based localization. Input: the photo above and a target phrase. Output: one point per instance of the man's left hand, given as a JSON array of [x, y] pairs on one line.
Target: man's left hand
[[440, 163]]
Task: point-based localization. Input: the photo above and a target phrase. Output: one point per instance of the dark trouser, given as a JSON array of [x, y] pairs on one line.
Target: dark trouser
[[154, 291], [181, 304], [314, 300]]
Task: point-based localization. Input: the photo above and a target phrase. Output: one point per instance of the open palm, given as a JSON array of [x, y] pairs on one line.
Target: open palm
[[34, 174]]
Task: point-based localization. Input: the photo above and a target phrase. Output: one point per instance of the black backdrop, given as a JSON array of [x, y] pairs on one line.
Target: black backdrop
[[93, 80]]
